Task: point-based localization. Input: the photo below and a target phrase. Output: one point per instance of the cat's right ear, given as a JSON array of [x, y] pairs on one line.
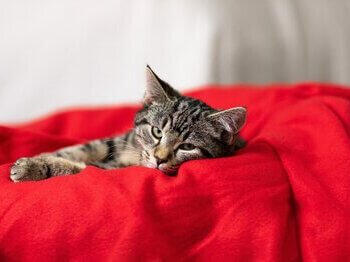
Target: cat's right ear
[[232, 120], [157, 90]]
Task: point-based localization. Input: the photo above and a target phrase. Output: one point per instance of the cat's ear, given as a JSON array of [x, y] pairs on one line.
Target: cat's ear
[[231, 119], [157, 90]]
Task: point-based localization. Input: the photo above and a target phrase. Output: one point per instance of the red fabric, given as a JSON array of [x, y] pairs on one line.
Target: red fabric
[[285, 197]]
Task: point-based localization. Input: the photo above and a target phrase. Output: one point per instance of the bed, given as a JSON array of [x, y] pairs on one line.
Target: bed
[[284, 197]]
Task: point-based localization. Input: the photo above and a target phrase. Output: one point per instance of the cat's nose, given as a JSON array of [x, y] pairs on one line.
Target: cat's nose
[[162, 155]]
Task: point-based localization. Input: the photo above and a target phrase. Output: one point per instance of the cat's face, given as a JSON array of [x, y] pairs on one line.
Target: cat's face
[[172, 129]]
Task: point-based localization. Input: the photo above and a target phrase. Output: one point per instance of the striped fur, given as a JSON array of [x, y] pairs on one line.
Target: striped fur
[[169, 130]]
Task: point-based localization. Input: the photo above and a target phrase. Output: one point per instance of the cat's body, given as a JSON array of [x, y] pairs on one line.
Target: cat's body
[[169, 130]]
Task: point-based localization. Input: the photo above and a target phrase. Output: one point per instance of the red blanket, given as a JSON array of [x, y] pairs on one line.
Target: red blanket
[[285, 197]]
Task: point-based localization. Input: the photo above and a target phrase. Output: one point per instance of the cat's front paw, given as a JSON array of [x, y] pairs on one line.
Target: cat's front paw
[[28, 169]]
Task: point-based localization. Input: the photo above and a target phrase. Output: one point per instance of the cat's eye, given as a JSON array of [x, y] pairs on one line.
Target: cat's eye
[[186, 146], [156, 132]]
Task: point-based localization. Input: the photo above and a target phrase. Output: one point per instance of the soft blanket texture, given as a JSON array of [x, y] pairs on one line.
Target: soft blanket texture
[[285, 197]]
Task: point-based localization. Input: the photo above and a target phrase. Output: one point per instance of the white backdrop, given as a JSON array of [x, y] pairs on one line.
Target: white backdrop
[[58, 53]]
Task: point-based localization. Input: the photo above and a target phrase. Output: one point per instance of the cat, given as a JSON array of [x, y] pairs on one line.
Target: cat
[[169, 130]]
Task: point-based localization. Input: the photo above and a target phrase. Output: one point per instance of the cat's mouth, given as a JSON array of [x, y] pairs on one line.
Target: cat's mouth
[[165, 168], [168, 170]]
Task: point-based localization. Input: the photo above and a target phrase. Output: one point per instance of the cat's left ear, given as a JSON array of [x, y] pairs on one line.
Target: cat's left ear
[[157, 90], [231, 119]]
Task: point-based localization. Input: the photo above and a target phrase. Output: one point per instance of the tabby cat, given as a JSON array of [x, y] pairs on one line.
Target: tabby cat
[[169, 130]]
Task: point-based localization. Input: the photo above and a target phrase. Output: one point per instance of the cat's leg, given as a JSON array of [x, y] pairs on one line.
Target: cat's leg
[[69, 160], [42, 167]]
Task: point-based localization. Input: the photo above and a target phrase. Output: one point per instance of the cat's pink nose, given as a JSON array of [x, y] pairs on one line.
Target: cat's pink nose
[[162, 155]]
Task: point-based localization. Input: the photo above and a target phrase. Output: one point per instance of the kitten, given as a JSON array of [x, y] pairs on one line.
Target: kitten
[[169, 130]]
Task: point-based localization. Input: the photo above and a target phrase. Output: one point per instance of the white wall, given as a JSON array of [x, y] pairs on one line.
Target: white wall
[[58, 53]]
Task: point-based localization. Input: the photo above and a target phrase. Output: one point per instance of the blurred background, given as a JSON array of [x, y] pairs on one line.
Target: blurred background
[[60, 53]]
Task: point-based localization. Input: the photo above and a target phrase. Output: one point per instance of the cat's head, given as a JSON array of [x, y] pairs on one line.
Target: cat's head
[[172, 128]]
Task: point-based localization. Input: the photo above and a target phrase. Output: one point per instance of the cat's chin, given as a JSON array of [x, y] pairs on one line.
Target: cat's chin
[[167, 170]]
